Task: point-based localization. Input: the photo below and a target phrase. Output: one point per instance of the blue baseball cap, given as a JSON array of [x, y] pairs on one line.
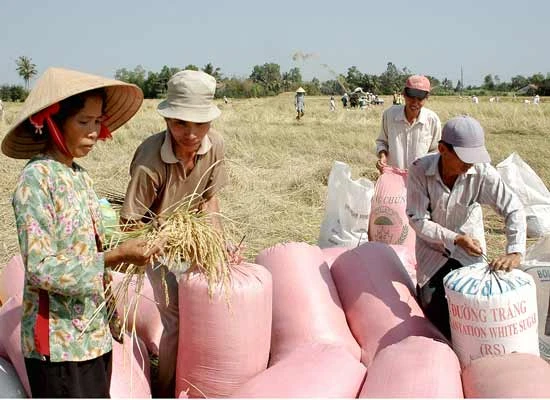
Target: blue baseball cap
[[468, 139]]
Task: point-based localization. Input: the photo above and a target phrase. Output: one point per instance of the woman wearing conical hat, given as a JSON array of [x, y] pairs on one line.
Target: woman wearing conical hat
[[60, 231], [299, 102]]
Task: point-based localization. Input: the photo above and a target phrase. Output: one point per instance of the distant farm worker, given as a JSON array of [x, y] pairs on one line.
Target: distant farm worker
[[332, 104], [299, 102], [1, 111], [442, 189], [185, 159], [345, 100], [408, 131], [61, 233]]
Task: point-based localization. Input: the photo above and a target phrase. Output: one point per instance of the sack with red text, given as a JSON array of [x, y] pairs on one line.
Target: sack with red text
[[348, 205], [388, 220], [537, 264], [491, 312]]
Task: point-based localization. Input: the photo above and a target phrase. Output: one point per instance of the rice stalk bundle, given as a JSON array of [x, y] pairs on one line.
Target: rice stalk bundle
[[191, 242]]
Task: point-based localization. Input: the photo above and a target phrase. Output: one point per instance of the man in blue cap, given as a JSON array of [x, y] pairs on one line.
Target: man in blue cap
[[442, 190]]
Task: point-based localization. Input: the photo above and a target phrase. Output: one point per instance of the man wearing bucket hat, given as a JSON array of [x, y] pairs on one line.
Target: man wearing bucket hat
[[299, 102], [60, 231], [185, 159], [408, 131], [442, 190]]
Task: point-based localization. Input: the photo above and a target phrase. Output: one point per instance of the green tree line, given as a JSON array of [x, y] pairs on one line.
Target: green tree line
[[269, 80]]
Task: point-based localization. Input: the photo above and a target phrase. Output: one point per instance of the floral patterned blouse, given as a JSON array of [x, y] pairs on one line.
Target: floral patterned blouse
[[56, 210]]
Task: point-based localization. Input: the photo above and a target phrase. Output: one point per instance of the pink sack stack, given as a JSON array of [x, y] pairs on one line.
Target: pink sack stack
[[514, 375], [306, 306], [407, 258], [311, 371], [332, 253], [12, 278], [223, 344], [379, 304], [416, 367], [10, 338], [147, 321], [388, 221], [131, 370]]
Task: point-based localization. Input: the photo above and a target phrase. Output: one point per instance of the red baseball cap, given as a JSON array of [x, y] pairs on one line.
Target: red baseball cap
[[418, 82]]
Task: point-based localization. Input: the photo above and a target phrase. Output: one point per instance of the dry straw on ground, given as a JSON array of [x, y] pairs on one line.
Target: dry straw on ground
[[279, 166]]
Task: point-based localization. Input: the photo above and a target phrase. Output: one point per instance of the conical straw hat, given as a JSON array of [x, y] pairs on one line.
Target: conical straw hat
[[56, 84], [300, 90]]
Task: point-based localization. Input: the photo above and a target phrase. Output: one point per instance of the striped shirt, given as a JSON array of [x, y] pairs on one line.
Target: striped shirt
[[438, 214], [405, 142]]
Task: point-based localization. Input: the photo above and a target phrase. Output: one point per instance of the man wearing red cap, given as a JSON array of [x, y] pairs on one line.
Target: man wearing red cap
[[408, 131]]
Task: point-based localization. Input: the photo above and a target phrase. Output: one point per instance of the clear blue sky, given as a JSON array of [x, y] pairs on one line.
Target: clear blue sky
[[433, 37]]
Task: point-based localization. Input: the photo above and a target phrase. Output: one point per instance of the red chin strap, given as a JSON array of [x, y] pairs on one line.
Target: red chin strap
[[37, 120], [104, 133]]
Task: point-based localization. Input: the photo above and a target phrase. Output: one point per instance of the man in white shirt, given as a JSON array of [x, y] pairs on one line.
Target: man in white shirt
[[408, 131], [442, 191]]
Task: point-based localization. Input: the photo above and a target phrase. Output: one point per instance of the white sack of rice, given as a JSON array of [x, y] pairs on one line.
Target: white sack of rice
[[491, 313]]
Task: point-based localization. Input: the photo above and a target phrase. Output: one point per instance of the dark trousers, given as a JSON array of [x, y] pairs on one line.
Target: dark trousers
[[431, 298], [70, 379]]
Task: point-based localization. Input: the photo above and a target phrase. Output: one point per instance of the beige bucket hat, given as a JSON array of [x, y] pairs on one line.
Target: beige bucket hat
[[190, 97], [56, 84]]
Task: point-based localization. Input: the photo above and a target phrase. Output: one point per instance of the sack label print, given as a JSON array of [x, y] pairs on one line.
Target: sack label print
[[491, 313], [390, 227]]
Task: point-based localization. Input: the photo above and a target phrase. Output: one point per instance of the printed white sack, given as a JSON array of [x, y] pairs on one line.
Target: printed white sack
[[347, 211], [537, 264], [532, 192], [491, 312]]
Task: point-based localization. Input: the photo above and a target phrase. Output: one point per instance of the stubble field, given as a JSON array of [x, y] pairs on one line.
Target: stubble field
[[279, 166]]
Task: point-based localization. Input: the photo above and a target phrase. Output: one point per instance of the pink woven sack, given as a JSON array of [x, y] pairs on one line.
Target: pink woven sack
[[311, 371], [147, 320], [377, 298], [514, 375], [416, 367], [12, 278], [131, 377], [407, 258], [223, 342], [388, 221], [10, 338], [306, 306]]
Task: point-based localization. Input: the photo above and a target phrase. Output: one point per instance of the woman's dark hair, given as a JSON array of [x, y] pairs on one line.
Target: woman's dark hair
[[72, 105]]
